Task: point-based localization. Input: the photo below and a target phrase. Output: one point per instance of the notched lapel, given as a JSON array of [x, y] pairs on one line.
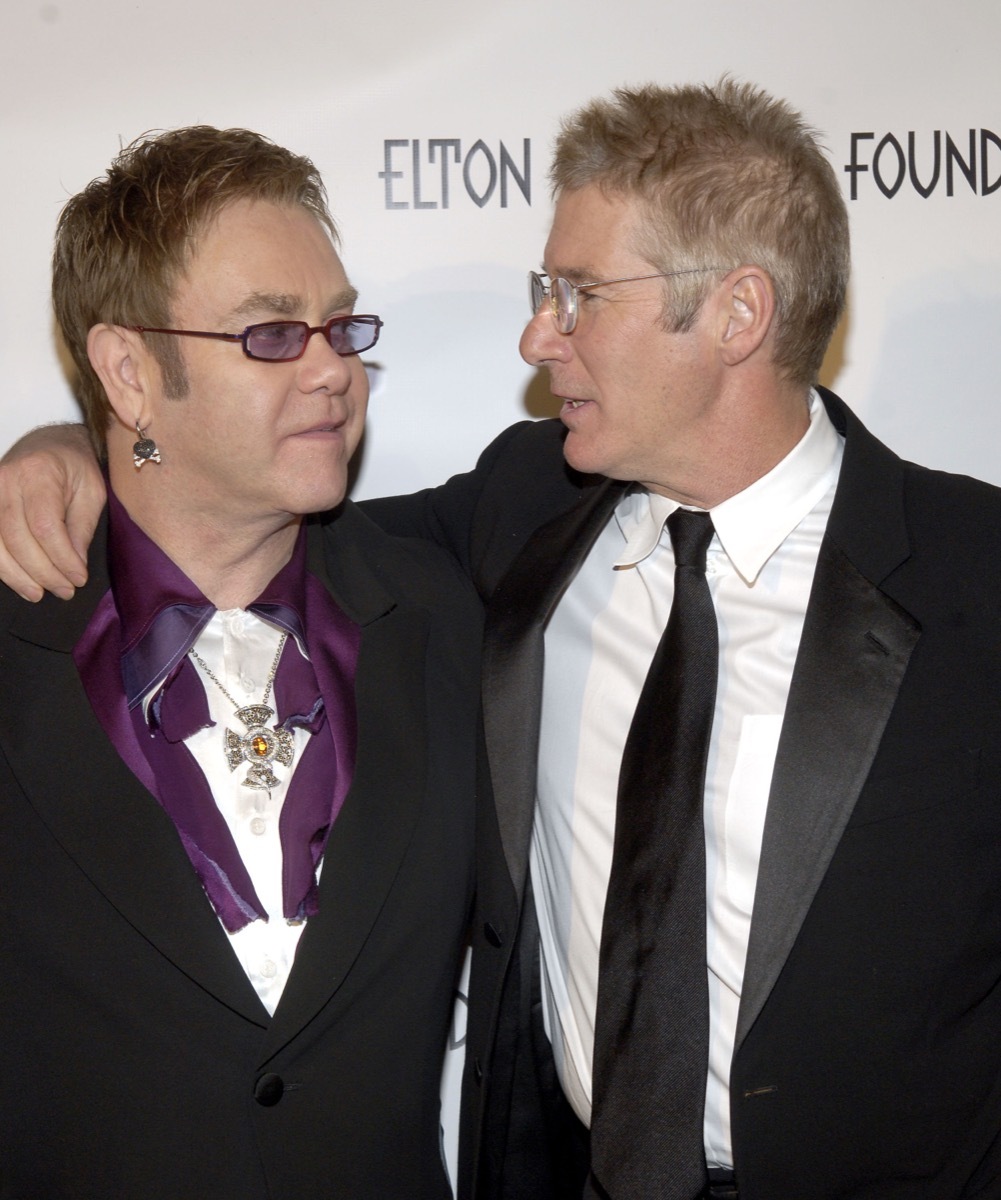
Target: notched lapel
[[853, 653], [513, 660], [108, 823], [374, 828]]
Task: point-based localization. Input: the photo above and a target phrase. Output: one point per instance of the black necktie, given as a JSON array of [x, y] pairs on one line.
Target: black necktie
[[652, 1023]]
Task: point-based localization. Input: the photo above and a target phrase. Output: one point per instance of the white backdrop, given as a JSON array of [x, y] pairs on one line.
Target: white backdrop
[[462, 89], [352, 84]]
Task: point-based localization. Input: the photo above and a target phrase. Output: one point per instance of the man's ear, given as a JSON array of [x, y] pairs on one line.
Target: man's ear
[[749, 313], [123, 365]]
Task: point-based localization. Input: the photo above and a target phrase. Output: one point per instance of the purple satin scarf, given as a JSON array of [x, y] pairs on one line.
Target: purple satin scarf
[[121, 652]]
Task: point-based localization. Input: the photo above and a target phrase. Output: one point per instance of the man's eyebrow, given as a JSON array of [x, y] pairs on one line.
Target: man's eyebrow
[[285, 304], [288, 304], [572, 274], [346, 298]]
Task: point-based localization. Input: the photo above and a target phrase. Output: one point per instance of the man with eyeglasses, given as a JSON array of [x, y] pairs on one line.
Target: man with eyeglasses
[[236, 771], [741, 668]]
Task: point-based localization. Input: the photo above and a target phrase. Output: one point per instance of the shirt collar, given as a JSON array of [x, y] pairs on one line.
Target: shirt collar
[[162, 612], [752, 524]]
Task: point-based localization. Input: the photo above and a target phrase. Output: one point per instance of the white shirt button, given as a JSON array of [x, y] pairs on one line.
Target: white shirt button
[[258, 825], [235, 620], [269, 970]]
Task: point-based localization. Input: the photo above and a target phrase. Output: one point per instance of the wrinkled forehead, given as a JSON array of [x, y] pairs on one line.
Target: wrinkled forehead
[[594, 231]]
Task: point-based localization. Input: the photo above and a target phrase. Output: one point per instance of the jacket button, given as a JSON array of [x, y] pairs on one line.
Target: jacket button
[[493, 935], [269, 1090]]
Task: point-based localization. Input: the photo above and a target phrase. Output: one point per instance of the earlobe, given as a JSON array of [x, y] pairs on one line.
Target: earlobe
[[749, 315], [118, 359]]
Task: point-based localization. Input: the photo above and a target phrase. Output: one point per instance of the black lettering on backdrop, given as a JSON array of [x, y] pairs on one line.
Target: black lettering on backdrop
[[480, 149], [890, 165], [924, 189], [388, 174], [985, 137], [444, 145], [522, 178], [889, 190], [436, 170], [953, 157]]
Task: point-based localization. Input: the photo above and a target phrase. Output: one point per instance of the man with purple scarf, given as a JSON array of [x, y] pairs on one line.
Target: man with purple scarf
[[236, 772]]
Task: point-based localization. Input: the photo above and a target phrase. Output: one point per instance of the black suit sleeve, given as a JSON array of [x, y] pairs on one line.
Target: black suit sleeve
[[445, 514], [484, 517]]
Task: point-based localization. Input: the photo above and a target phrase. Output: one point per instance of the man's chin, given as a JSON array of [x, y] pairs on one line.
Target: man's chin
[[320, 494], [324, 500], [582, 455]]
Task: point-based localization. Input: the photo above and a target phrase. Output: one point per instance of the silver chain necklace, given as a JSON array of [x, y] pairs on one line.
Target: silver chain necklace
[[259, 746]]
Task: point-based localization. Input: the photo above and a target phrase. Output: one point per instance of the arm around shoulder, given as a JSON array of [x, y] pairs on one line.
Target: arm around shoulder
[[51, 496], [450, 514]]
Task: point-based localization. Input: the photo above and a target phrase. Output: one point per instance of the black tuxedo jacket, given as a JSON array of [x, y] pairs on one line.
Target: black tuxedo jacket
[[868, 1050], [137, 1061]]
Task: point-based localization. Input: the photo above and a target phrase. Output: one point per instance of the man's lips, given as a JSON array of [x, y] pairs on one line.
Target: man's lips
[[572, 404], [323, 427]]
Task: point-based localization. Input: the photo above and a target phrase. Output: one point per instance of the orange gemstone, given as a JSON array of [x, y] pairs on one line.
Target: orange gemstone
[[259, 745]]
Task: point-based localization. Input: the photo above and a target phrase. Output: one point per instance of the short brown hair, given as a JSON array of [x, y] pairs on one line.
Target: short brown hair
[[125, 240], [727, 175]]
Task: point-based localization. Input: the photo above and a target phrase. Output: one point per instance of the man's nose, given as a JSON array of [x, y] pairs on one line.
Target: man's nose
[[541, 341], [322, 367]]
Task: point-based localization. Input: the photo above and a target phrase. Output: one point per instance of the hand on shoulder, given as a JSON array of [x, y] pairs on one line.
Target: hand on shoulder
[[51, 496]]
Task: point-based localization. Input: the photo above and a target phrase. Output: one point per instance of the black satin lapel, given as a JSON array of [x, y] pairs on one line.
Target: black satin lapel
[[109, 823], [375, 825], [854, 651], [513, 660]]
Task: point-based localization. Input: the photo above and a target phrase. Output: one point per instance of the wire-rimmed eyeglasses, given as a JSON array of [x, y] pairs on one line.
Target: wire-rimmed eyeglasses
[[285, 341], [562, 294]]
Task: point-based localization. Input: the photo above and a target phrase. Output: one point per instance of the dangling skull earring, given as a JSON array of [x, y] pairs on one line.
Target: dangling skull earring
[[145, 450]]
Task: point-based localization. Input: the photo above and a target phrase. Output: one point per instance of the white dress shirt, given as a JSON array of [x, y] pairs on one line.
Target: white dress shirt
[[240, 648], [598, 647]]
